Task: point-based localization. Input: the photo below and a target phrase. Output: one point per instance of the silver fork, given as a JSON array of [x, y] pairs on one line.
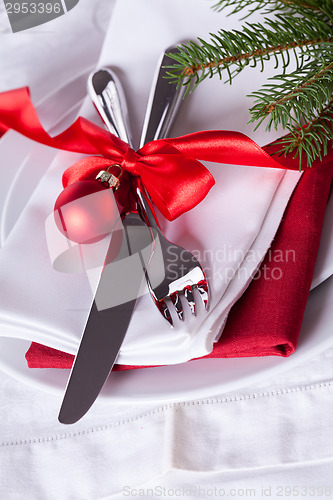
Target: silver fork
[[182, 271]]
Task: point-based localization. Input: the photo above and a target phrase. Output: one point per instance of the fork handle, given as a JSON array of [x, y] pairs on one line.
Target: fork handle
[[163, 104]]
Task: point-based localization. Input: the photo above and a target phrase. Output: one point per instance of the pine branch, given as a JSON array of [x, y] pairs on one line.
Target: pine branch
[[316, 82], [300, 30], [295, 98], [229, 50], [313, 140], [321, 7]]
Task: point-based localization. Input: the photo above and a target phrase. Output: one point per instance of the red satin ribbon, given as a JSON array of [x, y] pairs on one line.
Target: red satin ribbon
[[169, 168]]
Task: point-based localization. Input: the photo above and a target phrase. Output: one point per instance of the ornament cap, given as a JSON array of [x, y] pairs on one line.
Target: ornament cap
[[108, 178]]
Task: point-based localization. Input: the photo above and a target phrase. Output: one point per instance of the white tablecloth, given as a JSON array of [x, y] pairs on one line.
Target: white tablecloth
[[273, 438]]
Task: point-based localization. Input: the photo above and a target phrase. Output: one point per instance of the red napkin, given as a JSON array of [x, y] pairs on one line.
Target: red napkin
[[267, 319]]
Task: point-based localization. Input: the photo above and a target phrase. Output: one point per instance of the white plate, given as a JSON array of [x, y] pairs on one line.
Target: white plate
[[196, 379]]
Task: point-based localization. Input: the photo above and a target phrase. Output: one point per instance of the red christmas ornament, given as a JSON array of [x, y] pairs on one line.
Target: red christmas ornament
[[86, 211]]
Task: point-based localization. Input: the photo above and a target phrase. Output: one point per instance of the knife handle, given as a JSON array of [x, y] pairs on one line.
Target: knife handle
[[107, 95], [163, 104]]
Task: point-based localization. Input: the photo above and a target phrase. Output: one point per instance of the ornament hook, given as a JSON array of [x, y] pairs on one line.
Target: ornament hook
[[108, 178]]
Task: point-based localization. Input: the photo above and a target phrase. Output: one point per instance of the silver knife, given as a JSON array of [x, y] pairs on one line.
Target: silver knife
[[109, 317]]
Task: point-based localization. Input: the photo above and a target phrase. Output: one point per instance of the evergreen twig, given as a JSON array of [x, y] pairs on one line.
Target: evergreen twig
[[299, 100]]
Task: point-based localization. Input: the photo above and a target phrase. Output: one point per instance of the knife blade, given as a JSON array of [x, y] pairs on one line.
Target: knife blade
[[109, 317]]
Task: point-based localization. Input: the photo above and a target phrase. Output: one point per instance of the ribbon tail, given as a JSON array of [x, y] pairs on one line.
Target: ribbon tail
[[17, 112], [223, 146]]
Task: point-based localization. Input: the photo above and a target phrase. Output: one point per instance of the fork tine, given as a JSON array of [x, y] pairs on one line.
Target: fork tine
[[188, 292], [175, 299], [203, 290], [164, 310]]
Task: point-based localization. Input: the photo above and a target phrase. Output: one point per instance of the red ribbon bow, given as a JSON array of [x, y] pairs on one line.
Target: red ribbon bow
[[169, 168]]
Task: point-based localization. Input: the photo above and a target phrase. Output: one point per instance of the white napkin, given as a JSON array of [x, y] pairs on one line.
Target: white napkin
[[229, 232]]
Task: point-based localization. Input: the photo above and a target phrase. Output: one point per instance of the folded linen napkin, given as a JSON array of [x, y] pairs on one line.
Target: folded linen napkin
[[267, 319], [54, 306]]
